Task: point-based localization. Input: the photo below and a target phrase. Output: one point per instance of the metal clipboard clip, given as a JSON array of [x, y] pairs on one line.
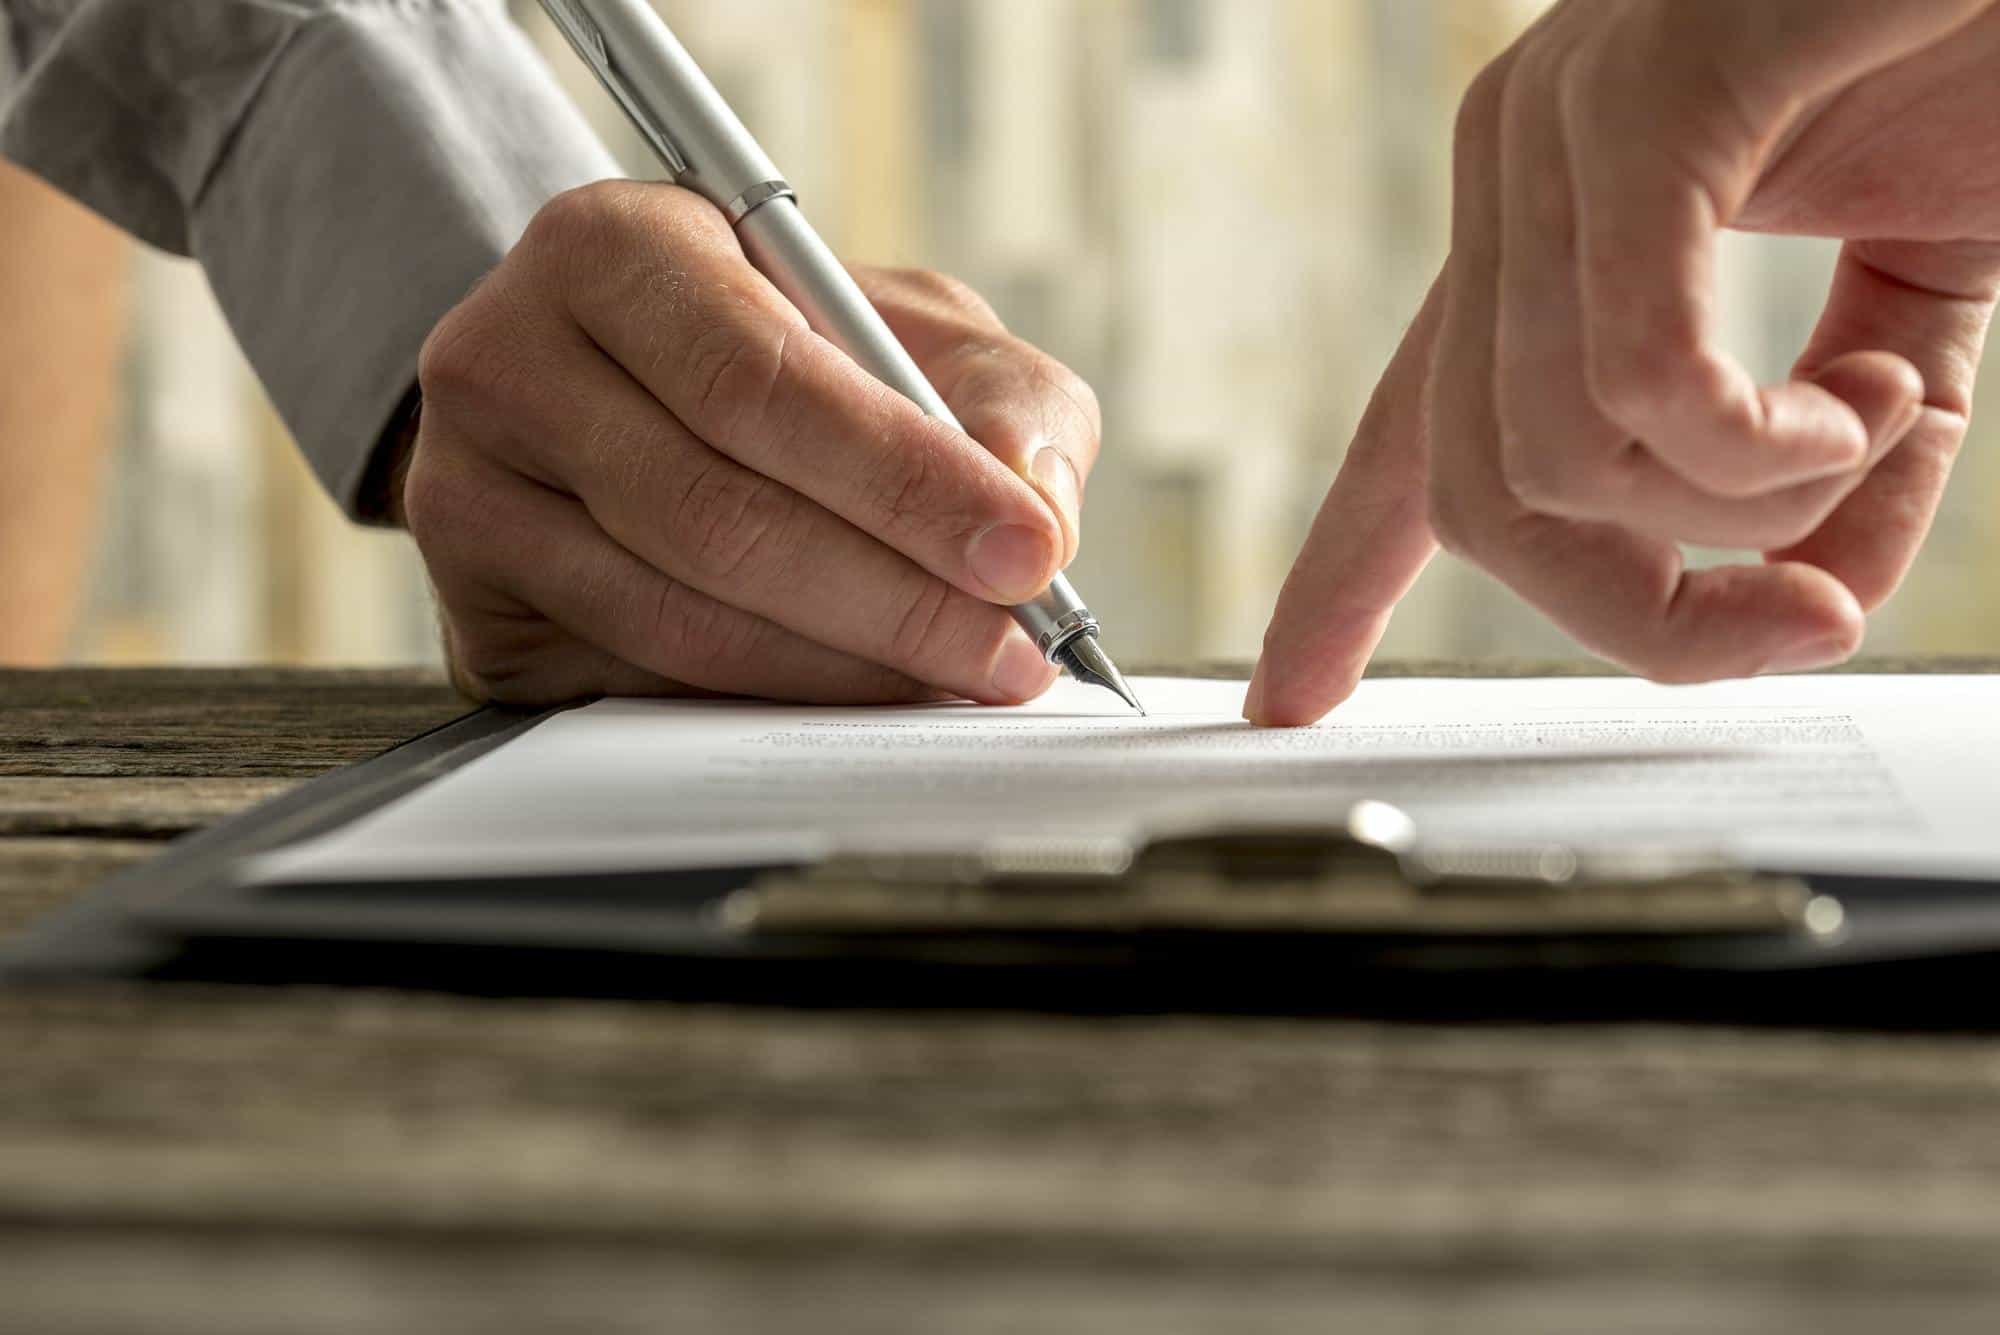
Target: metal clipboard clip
[[1370, 875]]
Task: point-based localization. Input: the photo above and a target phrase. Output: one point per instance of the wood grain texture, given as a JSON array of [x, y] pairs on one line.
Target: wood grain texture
[[191, 722], [158, 806], [1657, 1175], [179, 1158]]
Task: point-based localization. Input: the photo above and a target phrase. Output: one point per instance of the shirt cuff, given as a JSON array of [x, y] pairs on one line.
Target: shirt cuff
[[344, 172], [392, 158]]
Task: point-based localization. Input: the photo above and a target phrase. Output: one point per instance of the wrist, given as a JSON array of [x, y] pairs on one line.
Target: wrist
[[380, 500]]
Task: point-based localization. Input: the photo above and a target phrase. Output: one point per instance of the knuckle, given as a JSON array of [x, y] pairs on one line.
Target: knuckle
[[1592, 81], [620, 459], [1075, 390], [924, 635], [701, 639], [1769, 527], [1628, 67], [444, 507], [950, 292], [976, 370], [1479, 111], [578, 209], [911, 490], [477, 676], [681, 208], [614, 232], [1545, 480], [1452, 521], [451, 645], [904, 496], [492, 665], [1532, 481], [1084, 393], [424, 499], [1632, 379], [1547, 207], [467, 679], [576, 223], [464, 352], [735, 373], [730, 521]]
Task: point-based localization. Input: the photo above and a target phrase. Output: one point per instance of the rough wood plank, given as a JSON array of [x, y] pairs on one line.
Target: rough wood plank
[[168, 1283], [1611, 1149], [123, 807], [210, 722]]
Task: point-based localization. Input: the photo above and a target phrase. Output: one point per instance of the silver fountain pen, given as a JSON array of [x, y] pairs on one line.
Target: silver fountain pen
[[705, 147]]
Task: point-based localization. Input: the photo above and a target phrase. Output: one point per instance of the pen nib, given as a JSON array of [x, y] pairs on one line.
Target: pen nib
[[1088, 663]]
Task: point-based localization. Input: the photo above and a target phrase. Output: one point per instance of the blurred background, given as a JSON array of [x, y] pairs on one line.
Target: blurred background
[[1221, 212]]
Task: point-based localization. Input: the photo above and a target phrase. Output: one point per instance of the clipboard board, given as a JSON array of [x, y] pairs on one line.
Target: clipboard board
[[1232, 918]]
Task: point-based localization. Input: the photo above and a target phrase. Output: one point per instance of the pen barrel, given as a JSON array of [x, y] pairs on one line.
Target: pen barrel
[[643, 63], [786, 250], [653, 78]]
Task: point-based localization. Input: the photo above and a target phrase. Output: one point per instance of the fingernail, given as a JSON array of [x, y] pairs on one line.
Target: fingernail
[[1253, 699], [1057, 476], [1021, 673], [1806, 657], [1011, 560]]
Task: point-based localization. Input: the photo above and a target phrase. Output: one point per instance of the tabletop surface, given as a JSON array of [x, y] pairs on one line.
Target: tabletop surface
[[202, 1158]]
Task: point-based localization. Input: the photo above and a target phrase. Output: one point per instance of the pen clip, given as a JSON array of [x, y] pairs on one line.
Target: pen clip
[[588, 43]]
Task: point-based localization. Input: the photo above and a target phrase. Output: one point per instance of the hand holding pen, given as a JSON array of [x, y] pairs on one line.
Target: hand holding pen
[[639, 471], [704, 147]]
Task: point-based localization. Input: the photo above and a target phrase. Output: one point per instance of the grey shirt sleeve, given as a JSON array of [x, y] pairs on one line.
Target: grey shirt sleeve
[[344, 170]]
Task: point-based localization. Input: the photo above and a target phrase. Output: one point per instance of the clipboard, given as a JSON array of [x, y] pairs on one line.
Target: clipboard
[[1234, 918]]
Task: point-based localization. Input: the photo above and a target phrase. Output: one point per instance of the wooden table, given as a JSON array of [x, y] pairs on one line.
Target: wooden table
[[180, 1158]]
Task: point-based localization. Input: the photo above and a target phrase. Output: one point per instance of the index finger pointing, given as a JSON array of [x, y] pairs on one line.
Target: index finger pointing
[[1368, 544]]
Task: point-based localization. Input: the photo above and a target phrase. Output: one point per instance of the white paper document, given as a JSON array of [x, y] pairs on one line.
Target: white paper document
[[1829, 773]]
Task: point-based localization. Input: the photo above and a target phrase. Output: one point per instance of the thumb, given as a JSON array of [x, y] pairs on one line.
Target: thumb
[[1371, 540], [1914, 315], [1668, 136]]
